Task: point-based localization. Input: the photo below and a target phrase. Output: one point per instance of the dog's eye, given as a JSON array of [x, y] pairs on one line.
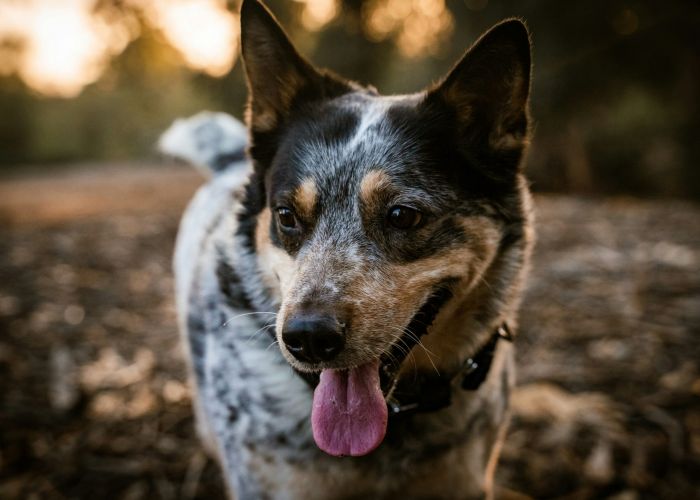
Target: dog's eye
[[286, 218], [402, 217]]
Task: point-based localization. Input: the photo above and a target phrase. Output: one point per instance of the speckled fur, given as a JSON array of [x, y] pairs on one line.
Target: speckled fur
[[342, 155]]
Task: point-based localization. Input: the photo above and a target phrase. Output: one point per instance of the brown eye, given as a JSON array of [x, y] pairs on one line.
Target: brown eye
[[402, 217], [286, 218]]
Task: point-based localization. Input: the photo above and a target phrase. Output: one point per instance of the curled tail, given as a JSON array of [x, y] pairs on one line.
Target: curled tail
[[210, 141]]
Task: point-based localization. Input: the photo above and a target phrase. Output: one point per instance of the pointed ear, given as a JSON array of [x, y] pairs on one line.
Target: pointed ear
[[489, 88], [277, 75]]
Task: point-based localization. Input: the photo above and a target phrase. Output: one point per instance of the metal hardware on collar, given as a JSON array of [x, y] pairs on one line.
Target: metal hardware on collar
[[504, 332], [480, 363], [469, 366], [395, 408]]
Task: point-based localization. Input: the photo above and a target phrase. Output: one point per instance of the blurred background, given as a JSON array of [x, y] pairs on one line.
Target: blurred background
[[93, 399], [616, 94]]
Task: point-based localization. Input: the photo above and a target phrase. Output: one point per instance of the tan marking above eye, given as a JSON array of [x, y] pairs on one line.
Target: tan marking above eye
[[372, 184], [306, 196]]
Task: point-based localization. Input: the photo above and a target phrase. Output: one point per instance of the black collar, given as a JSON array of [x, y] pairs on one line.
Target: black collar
[[433, 391]]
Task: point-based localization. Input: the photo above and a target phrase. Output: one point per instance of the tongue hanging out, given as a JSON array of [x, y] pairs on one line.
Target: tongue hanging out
[[349, 414]]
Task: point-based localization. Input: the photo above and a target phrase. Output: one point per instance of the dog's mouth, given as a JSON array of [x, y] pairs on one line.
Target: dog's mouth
[[349, 414]]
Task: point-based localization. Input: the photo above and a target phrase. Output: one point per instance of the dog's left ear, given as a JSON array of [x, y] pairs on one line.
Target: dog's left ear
[[488, 90], [278, 77]]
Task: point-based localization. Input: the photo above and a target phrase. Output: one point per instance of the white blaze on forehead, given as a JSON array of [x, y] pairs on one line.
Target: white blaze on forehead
[[373, 111], [374, 138]]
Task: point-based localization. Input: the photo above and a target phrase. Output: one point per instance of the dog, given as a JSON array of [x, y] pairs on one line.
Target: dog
[[347, 287]]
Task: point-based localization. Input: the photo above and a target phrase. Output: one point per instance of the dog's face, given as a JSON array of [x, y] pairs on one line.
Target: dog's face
[[366, 205]]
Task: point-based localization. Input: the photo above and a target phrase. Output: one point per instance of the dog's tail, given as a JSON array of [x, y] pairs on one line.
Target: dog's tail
[[212, 142]]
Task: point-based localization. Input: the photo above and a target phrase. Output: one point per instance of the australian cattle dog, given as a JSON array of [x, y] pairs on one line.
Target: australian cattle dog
[[348, 278]]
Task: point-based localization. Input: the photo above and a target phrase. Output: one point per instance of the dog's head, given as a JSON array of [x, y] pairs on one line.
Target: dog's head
[[367, 205]]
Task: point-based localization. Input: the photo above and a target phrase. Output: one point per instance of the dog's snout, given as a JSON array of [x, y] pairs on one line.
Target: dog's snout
[[313, 338]]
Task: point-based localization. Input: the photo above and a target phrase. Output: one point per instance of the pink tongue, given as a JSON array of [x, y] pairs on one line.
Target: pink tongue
[[349, 414]]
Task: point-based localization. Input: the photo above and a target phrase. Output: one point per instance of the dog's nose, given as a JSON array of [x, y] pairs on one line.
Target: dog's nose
[[313, 338]]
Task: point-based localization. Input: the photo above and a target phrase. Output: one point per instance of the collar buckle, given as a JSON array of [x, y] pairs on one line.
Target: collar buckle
[[395, 408], [469, 367]]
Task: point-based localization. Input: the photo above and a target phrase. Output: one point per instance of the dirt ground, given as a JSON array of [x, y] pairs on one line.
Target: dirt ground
[[93, 400]]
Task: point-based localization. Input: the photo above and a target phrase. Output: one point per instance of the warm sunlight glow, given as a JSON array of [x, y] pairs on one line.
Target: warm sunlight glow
[[420, 27], [318, 13], [57, 47], [63, 47], [203, 31]]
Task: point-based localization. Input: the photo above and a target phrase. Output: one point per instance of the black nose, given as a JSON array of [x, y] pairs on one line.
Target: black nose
[[313, 338]]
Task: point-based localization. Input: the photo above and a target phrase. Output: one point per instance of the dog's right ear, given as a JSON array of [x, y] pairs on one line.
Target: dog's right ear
[[278, 77], [488, 93]]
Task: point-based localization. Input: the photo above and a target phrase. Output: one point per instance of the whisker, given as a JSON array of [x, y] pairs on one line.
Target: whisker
[[259, 330], [246, 314], [414, 336], [419, 342]]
